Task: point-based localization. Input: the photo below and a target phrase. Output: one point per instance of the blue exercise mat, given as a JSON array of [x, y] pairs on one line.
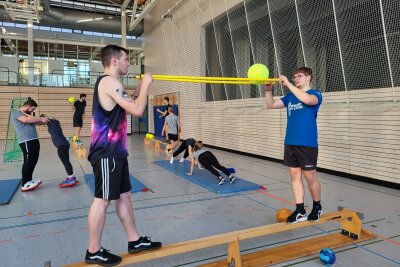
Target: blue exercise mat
[[8, 189], [137, 186], [205, 179]]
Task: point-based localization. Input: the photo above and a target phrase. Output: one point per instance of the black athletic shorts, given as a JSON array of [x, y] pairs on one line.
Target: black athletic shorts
[[78, 121], [111, 178], [173, 137], [304, 157]]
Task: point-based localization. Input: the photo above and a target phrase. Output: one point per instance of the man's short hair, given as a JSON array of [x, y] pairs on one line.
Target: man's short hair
[[110, 51], [171, 109], [305, 70], [166, 98], [82, 95], [30, 102]]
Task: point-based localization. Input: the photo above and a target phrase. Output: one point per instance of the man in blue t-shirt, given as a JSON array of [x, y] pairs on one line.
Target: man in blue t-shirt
[[301, 142]]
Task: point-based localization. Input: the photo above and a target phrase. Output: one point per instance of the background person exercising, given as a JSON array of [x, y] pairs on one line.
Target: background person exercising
[[62, 145], [208, 160], [79, 107], [24, 125], [171, 127]]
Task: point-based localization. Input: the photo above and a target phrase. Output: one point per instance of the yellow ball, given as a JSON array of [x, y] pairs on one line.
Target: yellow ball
[[147, 136], [151, 136], [71, 99], [74, 138], [258, 71]]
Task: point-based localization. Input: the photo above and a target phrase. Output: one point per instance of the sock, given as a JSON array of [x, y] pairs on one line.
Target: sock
[[71, 176], [317, 204], [230, 176], [300, 208]]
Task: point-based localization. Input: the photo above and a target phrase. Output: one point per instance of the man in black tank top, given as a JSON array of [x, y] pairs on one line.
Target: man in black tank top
[[108, 155]]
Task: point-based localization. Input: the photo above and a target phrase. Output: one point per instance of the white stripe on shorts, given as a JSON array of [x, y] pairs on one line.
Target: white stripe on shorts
[[105, 178]]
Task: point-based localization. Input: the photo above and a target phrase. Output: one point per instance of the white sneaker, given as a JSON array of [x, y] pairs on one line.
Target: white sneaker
[[182, 160], [31, 185], [171, 160]]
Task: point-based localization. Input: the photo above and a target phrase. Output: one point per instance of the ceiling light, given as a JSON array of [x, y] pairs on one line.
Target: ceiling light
[[83, 20]]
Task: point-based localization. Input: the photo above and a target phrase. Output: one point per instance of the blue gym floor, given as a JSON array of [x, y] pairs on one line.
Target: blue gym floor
[[50, 223]]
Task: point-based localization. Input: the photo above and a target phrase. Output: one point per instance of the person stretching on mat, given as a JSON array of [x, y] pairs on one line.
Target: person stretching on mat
[[171, 126], [109, 155], [62, 145], [301, 141], [24, 125], [187, 146], [207, 159]]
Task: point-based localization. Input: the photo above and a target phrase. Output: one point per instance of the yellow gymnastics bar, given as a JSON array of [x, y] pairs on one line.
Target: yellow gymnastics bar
[[162, 77], [213, 81]]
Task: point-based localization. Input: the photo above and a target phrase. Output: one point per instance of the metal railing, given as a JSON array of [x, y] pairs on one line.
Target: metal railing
[[57, 78], [8, 77]]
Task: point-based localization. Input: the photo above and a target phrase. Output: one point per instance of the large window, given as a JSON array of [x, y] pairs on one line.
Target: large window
[[348, 44]]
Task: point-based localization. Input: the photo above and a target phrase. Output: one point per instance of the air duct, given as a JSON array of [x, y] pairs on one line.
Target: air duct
[[68, 19]]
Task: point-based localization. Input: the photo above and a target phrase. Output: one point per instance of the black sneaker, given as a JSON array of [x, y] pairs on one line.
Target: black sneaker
[[315, 214], [143, 243], [221, 181], [232, 179], [297, 216], [102, 257]]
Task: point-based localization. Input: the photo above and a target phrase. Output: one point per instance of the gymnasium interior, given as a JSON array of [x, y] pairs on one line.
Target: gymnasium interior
[[51, 52]]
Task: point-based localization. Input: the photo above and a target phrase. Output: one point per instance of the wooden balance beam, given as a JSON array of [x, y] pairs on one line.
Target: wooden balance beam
[[157, 142], [80, 150], [351, 233]]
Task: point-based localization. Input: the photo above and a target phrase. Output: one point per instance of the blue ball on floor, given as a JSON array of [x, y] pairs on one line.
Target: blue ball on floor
[[327, 256]]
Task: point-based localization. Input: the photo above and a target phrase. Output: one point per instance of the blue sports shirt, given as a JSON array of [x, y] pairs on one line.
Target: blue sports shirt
[[301, 129]]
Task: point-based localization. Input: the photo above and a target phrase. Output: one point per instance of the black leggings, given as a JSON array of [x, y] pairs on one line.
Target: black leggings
[[182, 147], [63, 154], [31, 150], [209, 161]]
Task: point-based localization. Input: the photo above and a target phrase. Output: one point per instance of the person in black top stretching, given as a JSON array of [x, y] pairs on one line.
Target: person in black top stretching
[[79, 107], [187, 146], [62, 145]]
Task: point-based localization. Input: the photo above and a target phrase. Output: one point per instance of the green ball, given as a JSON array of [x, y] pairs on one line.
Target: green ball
[[258, 71], [71, 99]]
